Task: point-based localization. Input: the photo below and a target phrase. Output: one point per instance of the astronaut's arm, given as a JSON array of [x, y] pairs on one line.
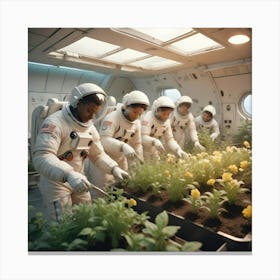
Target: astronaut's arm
[[192, 130], [170, 141], [98, 157], [50, 166], [215, 131]]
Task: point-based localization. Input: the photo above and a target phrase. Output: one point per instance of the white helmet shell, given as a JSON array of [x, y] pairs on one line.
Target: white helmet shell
[[83, 90], [210, 108], [183, 99], [136, 97], [124, 98], [163, 101], [111, 101]]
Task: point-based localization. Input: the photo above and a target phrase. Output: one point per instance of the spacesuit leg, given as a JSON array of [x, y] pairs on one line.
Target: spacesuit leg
[[56, 197], [81, 198]]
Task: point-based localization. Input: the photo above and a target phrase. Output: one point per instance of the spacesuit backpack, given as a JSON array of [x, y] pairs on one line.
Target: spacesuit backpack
[[40, 113]]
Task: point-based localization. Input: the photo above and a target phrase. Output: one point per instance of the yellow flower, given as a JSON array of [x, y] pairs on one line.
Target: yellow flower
[[217, 159], [217, 153], [188, 174], [195, 193], [170, 158], [247, 212], [227, 177], [211, 182], [132, 202], [229, 149], [246, 144], [244, 164], [233, 168], [166, 173]]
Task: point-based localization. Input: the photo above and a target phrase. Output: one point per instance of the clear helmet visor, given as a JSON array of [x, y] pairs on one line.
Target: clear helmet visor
[[102, 110]]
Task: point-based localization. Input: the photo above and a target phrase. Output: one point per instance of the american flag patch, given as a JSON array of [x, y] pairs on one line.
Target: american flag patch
[[107, 123], [48, 128], [145, 122]]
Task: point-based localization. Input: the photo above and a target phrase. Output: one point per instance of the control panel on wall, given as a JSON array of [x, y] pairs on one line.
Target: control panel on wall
[[229, 110]]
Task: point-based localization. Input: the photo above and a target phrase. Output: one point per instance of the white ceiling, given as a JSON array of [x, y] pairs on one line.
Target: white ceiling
[[43, 41]]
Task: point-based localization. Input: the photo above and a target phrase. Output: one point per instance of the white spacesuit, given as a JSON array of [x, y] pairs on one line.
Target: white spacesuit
[[154, 129], [61, 147], [182, 123], [120, 135], [206, 121]]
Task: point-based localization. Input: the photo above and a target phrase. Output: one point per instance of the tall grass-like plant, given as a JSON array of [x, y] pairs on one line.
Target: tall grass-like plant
[[213, 203], [232, 189]]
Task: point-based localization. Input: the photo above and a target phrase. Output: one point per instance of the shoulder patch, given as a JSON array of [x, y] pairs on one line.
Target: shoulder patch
[[48, 128], [107, 123], [145, 122]]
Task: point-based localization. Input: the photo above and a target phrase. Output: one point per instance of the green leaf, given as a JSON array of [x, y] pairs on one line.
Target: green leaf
[[150, 228], [172, 248], [191, 246], [86, 231], [77, 244], [162, 219], [170, 230]]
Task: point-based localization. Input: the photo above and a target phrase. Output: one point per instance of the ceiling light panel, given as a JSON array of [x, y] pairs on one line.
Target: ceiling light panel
[[164, 34], [196, 44], [124, 56], [90, 47], [154, 62]]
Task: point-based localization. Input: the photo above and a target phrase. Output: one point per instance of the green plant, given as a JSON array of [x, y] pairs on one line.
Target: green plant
[[86, 225], [105, 225], [232, 189], [244, 132], [158, 234], [213, 202], [195, 200]]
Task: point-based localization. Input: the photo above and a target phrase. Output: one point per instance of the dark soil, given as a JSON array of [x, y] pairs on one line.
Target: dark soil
[[231, 222]]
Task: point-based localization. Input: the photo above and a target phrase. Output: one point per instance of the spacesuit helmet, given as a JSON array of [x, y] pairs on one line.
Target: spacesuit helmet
[[163, 102], [183, 99], [136, 97], [83, 90], [111, 101], [209, 108]]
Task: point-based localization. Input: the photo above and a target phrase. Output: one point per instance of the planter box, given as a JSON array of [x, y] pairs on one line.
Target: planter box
[[189, 231]]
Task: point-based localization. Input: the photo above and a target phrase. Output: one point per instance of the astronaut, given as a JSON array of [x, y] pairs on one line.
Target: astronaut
[[182, 123], [206, 121], [155, 126], [120, 135], [65, 139]]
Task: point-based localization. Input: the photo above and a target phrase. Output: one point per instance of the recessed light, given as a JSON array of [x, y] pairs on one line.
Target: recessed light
[[239, 39]]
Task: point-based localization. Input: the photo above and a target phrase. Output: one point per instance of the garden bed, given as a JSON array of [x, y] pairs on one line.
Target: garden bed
[[229, 233]]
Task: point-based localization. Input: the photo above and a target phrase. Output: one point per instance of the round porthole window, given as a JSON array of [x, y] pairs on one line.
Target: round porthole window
[[246, 104], [172, 93]]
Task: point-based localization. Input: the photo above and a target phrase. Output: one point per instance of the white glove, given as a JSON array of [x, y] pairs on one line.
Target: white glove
[[128, 151], [119, 174], [158, 145], [213, 136], [181, 154], [78, 182], [199, 146]]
